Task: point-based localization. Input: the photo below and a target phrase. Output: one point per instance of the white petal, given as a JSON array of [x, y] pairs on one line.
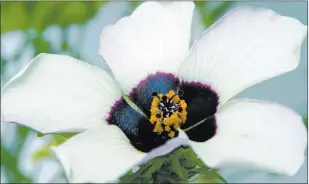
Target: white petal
[[258, 135], [154, 38], [168, 147], [97, 156], [246, 46], [57, 93]]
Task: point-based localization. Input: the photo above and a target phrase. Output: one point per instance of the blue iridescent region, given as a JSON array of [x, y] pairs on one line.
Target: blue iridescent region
[[136, 127], [125, 117], [158, 82]]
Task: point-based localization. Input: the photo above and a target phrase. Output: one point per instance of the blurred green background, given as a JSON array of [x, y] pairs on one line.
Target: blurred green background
[[73, 28]]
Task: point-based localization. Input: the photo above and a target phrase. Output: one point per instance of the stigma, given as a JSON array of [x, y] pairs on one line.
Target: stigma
[[168, 112]]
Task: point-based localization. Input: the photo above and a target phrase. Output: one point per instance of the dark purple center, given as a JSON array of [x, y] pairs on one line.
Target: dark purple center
[[202, 103]]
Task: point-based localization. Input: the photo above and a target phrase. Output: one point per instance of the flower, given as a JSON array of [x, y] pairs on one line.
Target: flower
[[179, 97]]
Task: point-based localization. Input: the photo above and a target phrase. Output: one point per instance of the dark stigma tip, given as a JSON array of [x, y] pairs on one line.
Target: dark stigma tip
[[154, 93], [164, 98]]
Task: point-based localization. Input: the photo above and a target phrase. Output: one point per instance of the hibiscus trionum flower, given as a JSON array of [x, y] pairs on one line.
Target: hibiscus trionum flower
[[167, 96]]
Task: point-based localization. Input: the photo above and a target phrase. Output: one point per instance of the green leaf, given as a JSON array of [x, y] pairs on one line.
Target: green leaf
[[306, 121], [178, 169], [190, 155], [130, 176], [155, 165]]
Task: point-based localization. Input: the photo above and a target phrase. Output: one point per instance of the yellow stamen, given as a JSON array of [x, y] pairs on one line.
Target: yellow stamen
[[176, 126], [168, 121], [176, 99], [154, 110], [175, 117], [154, 105], [167, 128], [153, 119], [183, 116], [158, 127], [183, 104], [171, 134], [170, 94]]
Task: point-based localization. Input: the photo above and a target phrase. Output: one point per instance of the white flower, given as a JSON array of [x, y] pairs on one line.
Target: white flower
[[148, 53]]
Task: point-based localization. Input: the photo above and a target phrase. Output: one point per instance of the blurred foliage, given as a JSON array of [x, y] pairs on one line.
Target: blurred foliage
[[45, 152], [10, 157], [23, 15], [210, 14]]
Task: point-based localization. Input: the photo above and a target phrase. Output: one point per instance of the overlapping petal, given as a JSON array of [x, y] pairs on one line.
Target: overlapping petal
[[98, 156], [155, 38], [246, 46], [256, 135]]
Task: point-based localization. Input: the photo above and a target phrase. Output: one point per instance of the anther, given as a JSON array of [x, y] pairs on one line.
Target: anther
[[168, 112], [164, 98], [170, 101]]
